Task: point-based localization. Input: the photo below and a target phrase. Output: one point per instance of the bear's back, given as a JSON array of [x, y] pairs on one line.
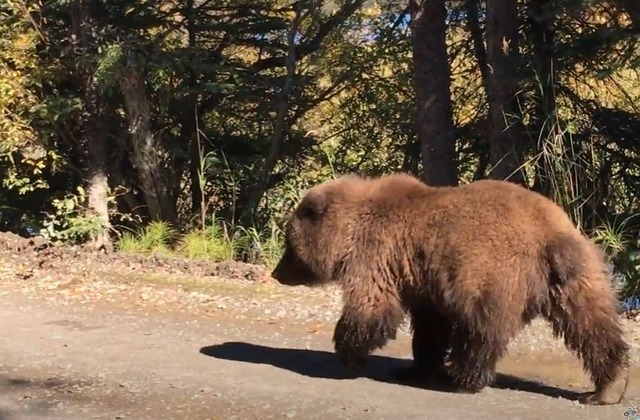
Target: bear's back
[[473, 208], [512, 202], [486, 209]]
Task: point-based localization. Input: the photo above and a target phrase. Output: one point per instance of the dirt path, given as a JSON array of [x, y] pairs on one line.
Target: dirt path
[[85, 361], [86, 337]]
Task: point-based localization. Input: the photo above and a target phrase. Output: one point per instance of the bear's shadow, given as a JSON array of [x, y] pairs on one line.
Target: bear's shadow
[[325, 365]]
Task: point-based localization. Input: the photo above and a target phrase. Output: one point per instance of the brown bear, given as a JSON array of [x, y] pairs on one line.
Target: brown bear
[[471, 264]]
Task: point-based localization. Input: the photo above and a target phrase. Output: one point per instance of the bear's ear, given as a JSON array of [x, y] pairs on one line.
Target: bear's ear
[[313, 205]]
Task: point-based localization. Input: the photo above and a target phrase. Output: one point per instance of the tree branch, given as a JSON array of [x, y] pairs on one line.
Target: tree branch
[[311, 46]]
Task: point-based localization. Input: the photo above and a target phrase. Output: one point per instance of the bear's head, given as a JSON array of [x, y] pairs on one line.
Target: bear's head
[[333, 218], [318, 233]]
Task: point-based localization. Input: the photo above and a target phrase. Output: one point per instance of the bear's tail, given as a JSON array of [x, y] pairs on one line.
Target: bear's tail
[[582, 309]]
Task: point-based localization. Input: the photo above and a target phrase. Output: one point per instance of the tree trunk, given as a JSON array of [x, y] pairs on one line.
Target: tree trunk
[[433, 94], [94, 128], [480, 53], [123, 173], [544, 125], [146, 148], [98, 188], [98, 194], [506, 138], [477, 39]]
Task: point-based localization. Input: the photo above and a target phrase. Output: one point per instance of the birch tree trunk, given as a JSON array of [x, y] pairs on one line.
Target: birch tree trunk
[[94, 128]]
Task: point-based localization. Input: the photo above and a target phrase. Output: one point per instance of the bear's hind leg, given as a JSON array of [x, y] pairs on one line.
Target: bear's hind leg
[[582, 309], [471, 365], [587, 319], [430, 342]]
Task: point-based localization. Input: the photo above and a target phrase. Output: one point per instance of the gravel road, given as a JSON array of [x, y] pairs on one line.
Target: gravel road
[[87, 337], [89, 361]]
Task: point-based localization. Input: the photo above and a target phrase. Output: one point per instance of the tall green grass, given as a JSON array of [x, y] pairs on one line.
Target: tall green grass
[[218, 241], [214, 242], [155, 238], [622, 246], [264, 248]]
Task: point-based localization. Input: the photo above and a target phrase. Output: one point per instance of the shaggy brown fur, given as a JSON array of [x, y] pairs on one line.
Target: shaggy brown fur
[[472, 265]]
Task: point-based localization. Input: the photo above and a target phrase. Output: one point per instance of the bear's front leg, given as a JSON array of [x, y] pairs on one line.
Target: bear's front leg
[[359, 333]]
